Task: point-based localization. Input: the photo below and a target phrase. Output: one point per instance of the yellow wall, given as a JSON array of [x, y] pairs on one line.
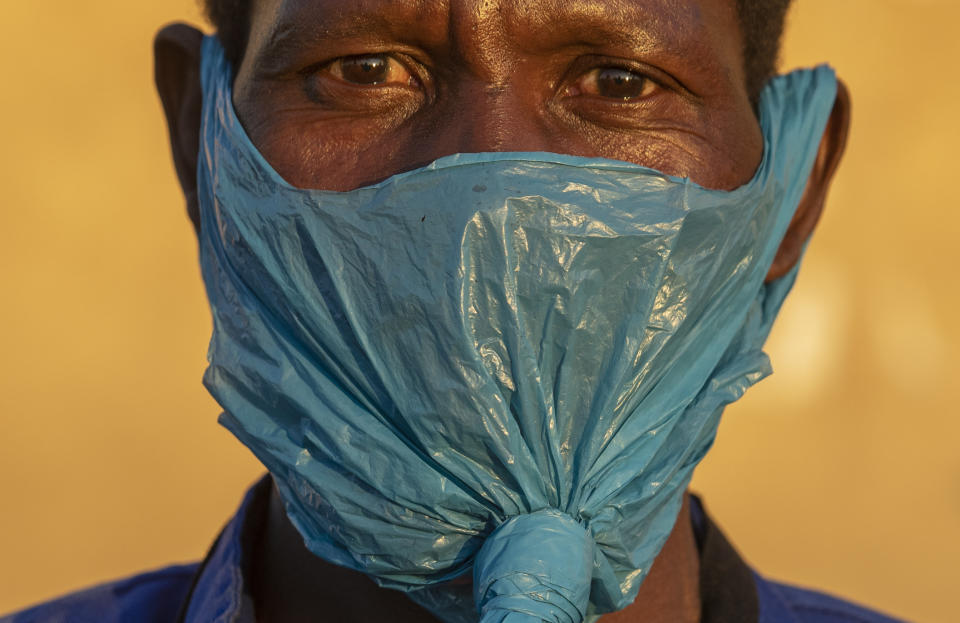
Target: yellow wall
[[842, 471]]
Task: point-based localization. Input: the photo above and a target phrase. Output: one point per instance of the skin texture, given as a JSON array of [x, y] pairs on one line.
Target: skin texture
[[477, 76]]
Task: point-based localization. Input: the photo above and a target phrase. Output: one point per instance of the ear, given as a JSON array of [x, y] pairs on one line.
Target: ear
[[832, 146], [176, 53]]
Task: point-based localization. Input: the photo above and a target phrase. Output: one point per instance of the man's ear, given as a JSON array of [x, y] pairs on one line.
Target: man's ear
[[805, 219], [176, 53]]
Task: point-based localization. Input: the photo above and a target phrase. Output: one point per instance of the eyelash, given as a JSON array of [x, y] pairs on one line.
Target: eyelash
[[390, 58], [647, 81]]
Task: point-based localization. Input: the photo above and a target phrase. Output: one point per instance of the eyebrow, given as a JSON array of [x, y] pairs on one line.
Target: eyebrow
[[624, 22], [296, 33]]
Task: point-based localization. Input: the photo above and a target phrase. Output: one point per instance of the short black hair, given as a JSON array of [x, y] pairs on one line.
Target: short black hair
[[761, 26]]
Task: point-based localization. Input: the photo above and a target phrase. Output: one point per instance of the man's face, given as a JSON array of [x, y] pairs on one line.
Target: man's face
[[339, 94]]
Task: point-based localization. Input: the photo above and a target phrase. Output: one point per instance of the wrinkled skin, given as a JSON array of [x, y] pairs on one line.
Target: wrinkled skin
[[338, 94]]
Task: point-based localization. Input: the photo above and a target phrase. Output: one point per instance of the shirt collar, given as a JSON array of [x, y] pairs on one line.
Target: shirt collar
[[220, 591], [728, 587]]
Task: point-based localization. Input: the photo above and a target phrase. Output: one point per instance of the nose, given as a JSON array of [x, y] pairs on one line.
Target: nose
[[483, 117]]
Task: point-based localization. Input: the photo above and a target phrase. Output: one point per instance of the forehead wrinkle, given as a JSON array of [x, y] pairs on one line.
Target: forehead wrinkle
[[487, 35], [673, 25], [299, 25]]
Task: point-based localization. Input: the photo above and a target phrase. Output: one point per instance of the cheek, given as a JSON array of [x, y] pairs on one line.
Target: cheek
[[720, 154], [727, 153], [326, 152], [742, 142], [306, 162], [337, 157]]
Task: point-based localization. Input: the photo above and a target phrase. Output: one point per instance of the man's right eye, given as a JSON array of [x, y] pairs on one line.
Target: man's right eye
[[615, 83], [371, 70]]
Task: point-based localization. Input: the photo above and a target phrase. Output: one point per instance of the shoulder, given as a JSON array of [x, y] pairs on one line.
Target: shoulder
[[792, 604], [152, 597]]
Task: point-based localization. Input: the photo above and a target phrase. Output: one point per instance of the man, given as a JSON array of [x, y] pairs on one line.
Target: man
[[343, 95]]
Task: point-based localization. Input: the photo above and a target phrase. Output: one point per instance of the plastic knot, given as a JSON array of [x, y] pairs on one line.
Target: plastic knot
[[534, 568]]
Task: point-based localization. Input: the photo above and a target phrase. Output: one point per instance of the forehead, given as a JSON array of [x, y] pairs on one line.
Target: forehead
[[691, 29], [670, 16]]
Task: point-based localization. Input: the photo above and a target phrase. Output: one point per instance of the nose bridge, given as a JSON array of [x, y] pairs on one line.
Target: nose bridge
[[499, 116], [490, 107]]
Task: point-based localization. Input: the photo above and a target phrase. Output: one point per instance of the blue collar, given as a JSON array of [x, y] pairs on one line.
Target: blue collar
[[220, 592]]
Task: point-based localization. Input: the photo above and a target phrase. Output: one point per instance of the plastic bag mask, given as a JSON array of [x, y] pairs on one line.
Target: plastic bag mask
[[504, 363]]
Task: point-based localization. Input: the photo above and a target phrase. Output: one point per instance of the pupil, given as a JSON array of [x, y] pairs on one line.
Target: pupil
[[365, 69], [620, 83]]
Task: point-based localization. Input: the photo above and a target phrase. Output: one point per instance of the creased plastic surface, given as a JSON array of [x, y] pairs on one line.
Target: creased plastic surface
[[493, 335]]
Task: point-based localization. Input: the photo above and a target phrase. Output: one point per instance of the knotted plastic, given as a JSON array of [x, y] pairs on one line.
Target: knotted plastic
[[534, 568]]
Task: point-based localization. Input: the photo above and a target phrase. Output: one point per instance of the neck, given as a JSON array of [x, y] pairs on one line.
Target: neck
[[671, 591], [291, 585]]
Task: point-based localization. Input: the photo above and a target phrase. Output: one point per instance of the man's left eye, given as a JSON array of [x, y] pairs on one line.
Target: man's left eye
[[371, 70], [614, 83]]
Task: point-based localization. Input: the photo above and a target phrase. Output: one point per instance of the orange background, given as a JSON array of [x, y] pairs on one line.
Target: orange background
[[841, 471]]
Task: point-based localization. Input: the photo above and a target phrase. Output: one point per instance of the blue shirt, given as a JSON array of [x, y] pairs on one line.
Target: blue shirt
[[216, 590]]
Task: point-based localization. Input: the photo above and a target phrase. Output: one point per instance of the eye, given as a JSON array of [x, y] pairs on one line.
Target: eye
[[613, 83], [371, 70]]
